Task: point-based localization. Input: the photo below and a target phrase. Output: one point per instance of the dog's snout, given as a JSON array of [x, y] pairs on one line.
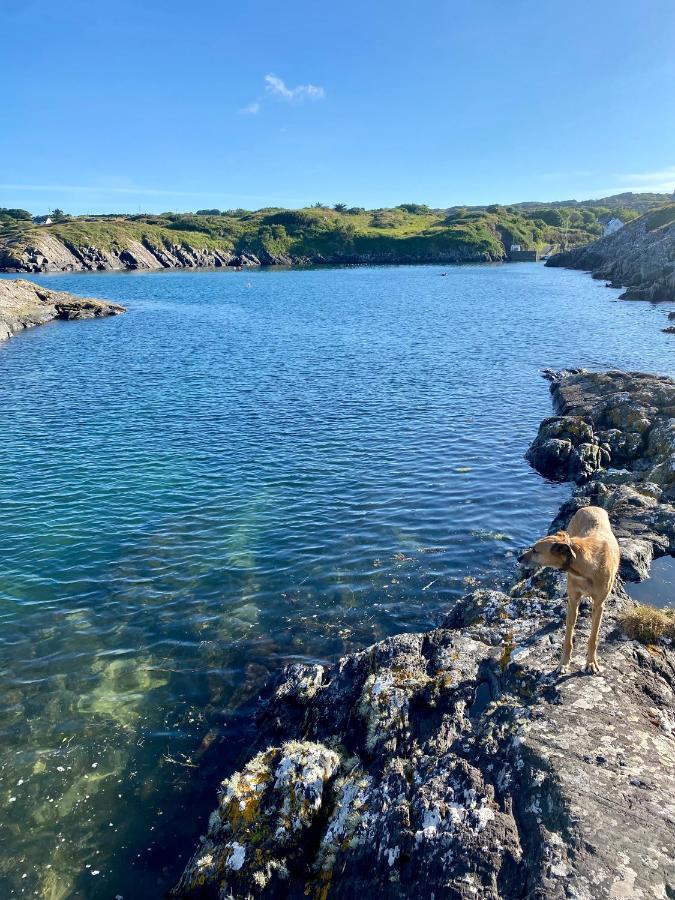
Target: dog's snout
[[524, 555]]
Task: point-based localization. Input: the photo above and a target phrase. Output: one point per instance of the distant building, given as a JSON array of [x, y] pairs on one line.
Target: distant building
[[515, 248], [612, 226], [42, 220]]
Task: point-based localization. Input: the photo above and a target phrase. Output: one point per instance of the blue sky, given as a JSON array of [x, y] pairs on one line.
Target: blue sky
[[153, 105]]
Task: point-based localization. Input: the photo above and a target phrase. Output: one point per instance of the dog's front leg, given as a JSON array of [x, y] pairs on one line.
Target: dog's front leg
[[592, 667], [573, 601]]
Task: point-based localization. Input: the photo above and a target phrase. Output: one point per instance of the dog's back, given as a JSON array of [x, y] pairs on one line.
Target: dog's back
[[591, 521], [591, 525]]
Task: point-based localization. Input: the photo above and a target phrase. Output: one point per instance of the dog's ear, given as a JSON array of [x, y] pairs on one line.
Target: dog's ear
[[564, 548]]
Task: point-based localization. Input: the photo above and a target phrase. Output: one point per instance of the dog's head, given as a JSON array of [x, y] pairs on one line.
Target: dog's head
[[554, 550]]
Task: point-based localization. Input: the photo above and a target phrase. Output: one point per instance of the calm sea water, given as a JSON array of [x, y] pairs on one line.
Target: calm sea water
[[243, 470]]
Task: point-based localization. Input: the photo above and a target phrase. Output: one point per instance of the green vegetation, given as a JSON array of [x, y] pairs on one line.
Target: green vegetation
[[410, 231]]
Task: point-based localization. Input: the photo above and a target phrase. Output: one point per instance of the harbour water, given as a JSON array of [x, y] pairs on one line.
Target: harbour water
[[243, 470]]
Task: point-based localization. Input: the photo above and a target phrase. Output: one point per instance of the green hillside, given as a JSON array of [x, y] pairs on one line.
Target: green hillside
[[406, 232]]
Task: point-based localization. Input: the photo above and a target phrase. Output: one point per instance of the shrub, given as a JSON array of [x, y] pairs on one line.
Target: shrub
[[20, 214], [415, 209]]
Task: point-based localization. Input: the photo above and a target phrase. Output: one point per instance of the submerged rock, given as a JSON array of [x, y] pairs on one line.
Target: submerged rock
[[456, 763], [24, 304]]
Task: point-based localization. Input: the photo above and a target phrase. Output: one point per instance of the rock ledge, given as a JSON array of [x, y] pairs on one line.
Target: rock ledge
[[24, 304]]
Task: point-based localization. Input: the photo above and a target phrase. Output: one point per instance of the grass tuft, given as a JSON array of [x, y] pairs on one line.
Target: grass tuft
[[648, 624]]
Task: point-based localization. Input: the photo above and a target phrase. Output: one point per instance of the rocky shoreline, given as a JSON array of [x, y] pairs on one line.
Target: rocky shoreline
[[454, 763], [24, 304], [640, 257]]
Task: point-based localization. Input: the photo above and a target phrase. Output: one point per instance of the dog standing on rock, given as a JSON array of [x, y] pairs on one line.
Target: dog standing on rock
[[589, 553]]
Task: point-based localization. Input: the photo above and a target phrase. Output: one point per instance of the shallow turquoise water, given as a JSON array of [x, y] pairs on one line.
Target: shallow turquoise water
[[242, 470]]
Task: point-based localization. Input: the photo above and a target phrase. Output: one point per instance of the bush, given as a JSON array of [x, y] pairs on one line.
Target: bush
[[21, 215], [415, 209]]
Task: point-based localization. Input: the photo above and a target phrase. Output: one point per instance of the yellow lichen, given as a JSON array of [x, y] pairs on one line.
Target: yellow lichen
[[507, 649]]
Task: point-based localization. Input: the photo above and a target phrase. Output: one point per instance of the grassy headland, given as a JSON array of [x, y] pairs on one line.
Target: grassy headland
[[406, 233]]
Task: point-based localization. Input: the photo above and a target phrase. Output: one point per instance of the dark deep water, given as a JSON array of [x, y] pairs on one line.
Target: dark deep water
[[243, 470]]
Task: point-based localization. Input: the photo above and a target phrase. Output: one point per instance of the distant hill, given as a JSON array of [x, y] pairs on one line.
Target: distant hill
[[408, 233]]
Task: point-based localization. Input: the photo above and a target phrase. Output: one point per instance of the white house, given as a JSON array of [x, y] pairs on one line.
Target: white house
[[515, 248], [42, 220], [612, 226]]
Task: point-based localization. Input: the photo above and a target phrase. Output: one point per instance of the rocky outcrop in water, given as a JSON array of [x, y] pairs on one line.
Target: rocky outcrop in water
[[640, 256], [626, 421], [455, 763], [24, 304]]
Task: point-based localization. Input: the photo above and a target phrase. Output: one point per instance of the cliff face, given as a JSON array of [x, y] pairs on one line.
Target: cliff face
[[640, 256], [455, 763], [24, 304], [45, 252]]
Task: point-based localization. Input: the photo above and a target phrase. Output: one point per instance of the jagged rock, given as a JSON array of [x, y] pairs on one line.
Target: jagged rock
[[640, 256], [24, 304], [456, 763]]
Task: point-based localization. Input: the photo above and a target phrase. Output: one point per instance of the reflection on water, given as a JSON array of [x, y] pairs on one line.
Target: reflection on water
[[659, 588], [228, 478]]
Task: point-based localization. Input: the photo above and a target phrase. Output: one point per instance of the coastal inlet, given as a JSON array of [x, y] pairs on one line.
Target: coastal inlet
[[241, 471]]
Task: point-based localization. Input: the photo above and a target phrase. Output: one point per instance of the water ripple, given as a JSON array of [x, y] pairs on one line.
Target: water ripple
[[226, 479]]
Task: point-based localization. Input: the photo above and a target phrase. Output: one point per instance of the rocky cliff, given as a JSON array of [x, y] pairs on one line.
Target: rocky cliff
[[640, 256], [455, 763], [24, 304], [45, 252]]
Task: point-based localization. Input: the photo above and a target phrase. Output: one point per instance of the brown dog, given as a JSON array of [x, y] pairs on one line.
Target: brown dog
[[589, 553]]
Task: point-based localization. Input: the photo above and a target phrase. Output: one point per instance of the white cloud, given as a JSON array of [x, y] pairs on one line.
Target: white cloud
[[251, 110], [276, 87]]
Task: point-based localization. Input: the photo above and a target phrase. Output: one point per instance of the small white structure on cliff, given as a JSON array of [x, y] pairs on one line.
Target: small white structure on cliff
[[612, 226]]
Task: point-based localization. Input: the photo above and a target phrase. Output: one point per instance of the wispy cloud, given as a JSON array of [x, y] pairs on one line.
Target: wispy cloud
[[277, 87], [95, 189], [659, 181]]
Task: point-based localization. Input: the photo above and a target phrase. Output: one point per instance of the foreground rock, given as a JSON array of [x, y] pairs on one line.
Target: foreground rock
[[640, 256], [24, 304], [455, 764]]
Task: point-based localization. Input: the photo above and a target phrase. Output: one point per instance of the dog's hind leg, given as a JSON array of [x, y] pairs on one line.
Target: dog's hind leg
[[573, 601], [592, 666]]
